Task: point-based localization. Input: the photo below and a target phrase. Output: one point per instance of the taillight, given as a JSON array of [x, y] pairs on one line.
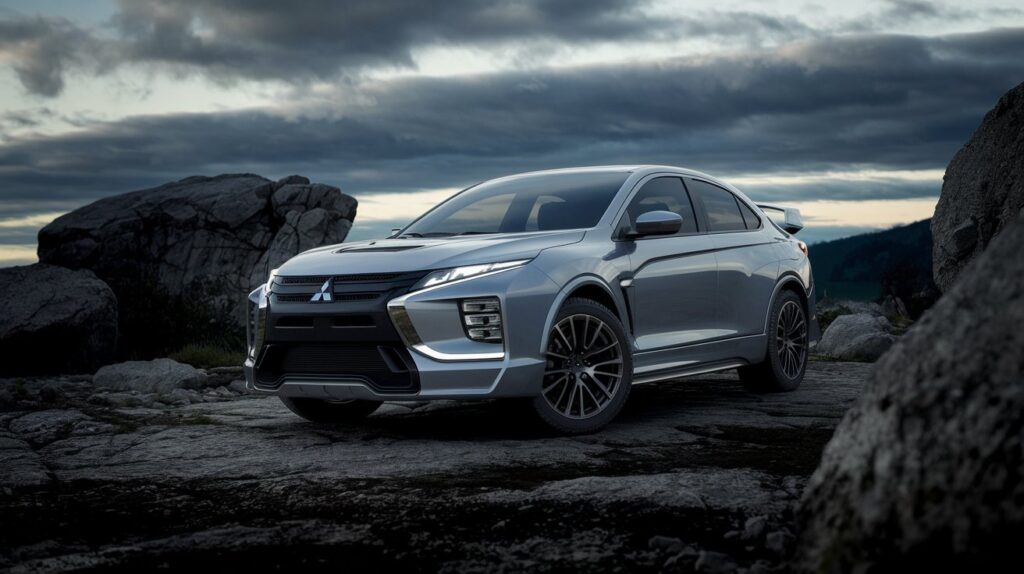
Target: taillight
[[803, 247]]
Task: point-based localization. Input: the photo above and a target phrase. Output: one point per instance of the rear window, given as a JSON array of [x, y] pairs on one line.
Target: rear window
[[722, 209], [749, 217], [539, 202]]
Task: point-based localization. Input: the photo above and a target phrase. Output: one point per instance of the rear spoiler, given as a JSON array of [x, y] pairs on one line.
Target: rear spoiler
[[789, 218]]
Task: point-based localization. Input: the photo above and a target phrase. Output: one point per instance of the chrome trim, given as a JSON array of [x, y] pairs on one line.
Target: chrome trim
[[482, 319], [698, 370], [403, 324], [412, 340], [423, 349]]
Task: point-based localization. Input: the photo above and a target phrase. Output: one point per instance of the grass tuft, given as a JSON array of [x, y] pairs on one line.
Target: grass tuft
[[205, 356]]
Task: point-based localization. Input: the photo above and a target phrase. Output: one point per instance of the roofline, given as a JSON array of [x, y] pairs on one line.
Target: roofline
[[625, 168]]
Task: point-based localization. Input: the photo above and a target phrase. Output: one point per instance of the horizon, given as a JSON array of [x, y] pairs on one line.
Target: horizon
[[850, 113]]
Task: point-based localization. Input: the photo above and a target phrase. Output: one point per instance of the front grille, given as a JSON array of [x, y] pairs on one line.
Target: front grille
[[384, 368], [305, 297], [351, 278]]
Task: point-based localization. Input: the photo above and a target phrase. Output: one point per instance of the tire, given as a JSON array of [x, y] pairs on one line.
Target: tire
[[785, 359], [589, 369], [321, 411]]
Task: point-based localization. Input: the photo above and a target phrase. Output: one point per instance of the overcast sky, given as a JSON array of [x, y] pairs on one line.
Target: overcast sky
[[850, 112]]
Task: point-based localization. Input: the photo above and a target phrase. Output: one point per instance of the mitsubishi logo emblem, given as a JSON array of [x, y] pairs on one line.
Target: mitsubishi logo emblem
[[326, 294]]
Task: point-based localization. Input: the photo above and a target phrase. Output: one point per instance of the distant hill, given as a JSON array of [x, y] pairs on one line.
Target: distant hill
[[869, 266]]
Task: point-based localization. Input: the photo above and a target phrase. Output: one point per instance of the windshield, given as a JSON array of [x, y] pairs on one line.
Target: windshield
[[539, 202]]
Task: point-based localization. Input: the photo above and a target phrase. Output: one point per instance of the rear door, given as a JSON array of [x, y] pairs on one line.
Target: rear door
[[674, 277], [748, 264]]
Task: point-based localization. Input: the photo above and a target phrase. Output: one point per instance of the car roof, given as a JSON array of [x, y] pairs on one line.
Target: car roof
[[642, 169]]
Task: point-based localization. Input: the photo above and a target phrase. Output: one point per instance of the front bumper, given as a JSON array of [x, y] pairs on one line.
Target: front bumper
[[324, 352]]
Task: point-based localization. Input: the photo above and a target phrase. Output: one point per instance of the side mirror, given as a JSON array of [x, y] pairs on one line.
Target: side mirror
[[657, 223]]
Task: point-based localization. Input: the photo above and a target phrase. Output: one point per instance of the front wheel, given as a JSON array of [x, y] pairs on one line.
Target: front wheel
[[589, 369], [321, 411], [786, 358]]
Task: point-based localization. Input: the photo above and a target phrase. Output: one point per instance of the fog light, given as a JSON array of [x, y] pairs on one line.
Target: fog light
[[482, 319]]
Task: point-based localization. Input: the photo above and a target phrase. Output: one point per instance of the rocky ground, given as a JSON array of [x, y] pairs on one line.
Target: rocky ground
[[695, 475]]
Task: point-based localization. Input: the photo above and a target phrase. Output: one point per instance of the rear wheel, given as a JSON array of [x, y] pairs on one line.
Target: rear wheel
[[322, 411], [786, 358], [589, 369]]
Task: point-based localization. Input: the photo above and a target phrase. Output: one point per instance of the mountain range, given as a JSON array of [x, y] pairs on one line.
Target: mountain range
[[869, 266]]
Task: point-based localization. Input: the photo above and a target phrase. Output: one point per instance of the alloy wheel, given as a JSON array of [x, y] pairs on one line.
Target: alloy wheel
[[791, 339], [584, 366]]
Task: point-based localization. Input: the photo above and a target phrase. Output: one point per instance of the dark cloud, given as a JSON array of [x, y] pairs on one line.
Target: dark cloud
[[41, 50], [326, 39], [888, 102], [272, 39]]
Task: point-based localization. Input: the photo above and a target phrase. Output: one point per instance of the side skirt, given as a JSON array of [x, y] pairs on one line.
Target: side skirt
[[673, 373]]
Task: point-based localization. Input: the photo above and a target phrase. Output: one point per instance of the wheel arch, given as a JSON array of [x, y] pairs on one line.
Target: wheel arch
[[789, 281], [589, 287]]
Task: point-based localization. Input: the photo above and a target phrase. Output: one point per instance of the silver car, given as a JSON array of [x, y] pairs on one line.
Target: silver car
[[559, 288]]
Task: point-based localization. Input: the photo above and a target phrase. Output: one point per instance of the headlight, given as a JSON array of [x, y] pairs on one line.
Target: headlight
[[448, 275]]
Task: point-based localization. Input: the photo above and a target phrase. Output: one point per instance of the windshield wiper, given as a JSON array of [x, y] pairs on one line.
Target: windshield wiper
[[443, 234]]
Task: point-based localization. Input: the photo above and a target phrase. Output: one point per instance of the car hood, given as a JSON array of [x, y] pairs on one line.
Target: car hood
[[399, 255]]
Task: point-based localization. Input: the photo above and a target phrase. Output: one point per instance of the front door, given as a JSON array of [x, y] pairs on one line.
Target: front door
[[673, 289]]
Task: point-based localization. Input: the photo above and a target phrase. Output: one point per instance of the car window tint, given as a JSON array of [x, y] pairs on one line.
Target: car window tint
[[531, 221], [484, 215], [749, 217], [663, 194], [544, 201], [720, 205]]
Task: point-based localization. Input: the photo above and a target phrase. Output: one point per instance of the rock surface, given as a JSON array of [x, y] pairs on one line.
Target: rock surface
[[236, 481], [859, 337], [847, 307], [928, 467], [182, 257], [983, 189], [156, 376], [55, 320]]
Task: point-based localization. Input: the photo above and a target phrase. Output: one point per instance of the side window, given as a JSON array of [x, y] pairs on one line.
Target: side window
[[720, 205], [749, 217], [663, 194]]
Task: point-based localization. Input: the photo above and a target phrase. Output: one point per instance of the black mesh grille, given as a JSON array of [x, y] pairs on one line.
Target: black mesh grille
[[351, 278], [303, 297], [384, 368]]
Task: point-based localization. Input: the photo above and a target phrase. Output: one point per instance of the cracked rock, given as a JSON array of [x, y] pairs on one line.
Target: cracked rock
[[182, 256], [55, 320]]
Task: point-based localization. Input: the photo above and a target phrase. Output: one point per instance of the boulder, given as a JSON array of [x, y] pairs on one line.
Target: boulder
[[927, 469], [858, 337], [847, 307], [182, 257], [982, 191], [893, 306], [55, 320], [162, 376]]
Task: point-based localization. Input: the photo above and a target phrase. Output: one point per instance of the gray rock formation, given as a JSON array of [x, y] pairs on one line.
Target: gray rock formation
[[55, 320], [928, 467], [983, 189], [156, 376], [182, 257], [858, 337]]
